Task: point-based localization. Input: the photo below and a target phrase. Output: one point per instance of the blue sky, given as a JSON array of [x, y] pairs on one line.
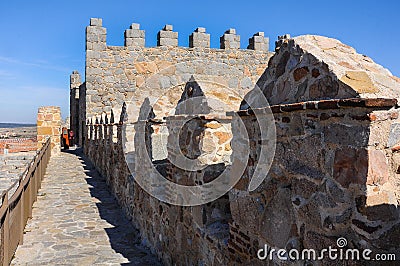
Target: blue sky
[[41, 42]]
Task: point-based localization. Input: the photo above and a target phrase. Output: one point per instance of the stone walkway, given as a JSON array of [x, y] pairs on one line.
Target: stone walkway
[[76, 221]]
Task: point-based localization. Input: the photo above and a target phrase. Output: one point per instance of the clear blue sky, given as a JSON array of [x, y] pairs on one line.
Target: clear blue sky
[[41, 42]]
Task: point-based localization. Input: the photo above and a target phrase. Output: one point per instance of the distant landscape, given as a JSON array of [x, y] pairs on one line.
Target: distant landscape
[[15, 125]]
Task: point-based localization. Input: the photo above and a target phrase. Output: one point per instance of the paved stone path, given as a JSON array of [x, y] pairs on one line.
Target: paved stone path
[[76, 221]]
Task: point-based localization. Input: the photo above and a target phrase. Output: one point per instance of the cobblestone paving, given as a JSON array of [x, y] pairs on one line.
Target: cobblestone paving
[[76, 221]]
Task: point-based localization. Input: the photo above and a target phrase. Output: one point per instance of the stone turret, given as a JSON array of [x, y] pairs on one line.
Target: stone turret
[[75, 86], [75, 80]]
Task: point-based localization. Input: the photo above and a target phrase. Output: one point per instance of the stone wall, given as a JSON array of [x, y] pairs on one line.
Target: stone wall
[[49, 125], [136, 72], [333, 172], [332, 176]]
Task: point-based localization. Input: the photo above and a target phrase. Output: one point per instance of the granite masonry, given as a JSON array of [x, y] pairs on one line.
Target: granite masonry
[[335, 169]]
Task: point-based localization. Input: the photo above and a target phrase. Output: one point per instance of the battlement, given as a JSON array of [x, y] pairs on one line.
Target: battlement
[[135, 38], [116, 74]]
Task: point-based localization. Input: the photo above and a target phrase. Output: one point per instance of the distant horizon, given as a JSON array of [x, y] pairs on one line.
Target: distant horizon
[[14, 124]]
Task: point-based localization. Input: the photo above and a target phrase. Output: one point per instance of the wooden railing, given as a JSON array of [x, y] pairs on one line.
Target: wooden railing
[[17, 208]]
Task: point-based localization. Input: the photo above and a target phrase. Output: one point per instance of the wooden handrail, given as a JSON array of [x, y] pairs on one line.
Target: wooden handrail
[[19, 204]]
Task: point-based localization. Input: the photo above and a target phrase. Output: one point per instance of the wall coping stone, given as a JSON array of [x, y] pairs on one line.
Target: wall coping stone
[[376, 103]]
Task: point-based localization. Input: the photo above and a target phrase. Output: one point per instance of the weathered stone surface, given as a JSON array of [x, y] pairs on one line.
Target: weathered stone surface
[[96, 22], [230, 40], [394, 135], [199, 38], [258, 42], [167, 37], [337, 71], [343, 134], [360, 81], [277, 221], [223, 137], [350, 166], [300, 73], [378, 169], [323, 88]]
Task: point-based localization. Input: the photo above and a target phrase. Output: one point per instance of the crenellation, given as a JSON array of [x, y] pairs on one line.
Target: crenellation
[[230, 40], [282, 39], [96, 36], [285, 36], [259, 42], [134, 36], [121, 70], [167, 37], [199, 38]]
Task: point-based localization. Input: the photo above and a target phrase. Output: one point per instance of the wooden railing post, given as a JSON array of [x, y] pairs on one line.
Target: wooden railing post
[[40, 172], [34, 187], [6, 225], [21, 212]]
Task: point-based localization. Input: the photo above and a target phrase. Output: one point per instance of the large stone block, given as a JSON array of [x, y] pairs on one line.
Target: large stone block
[[347, 134], [277, 224], [378, 168], [96, 22], [45, 131], [134, 33], [168, 34], [350, 166]]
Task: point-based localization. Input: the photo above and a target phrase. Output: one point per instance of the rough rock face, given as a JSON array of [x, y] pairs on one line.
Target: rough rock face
[[313, 67]]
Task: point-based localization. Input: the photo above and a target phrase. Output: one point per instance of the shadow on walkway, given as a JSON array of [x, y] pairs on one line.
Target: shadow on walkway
[[124, 238]]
